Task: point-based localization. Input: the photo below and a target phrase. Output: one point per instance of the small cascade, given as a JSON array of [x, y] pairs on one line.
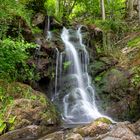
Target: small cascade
[[49, 34], [60, 67], [37, 54], [56, 71], [74, 94]]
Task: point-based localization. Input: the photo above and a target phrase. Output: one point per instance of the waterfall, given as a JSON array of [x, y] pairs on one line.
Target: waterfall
[[75, 96], [56, 70], [49, 34]]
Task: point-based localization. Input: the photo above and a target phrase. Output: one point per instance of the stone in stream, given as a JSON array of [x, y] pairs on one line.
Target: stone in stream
[[120, 131], [54, 136], [61, 136], [26, 133], [97, 127], [73, 136]]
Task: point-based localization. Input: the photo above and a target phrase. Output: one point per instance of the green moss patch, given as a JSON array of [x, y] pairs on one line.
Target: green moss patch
[[134, 42], [21, 106]]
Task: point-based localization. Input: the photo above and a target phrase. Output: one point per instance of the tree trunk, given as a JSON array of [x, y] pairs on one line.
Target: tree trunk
[[130, 8], [102, 9], [139, 9]]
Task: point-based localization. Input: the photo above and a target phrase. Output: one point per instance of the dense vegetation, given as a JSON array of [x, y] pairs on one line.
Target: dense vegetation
[[117, 19], [16, 18]]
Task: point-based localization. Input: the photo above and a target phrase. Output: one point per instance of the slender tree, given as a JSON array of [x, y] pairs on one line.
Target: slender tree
[[102, 9], [139, 9], [130, 8]]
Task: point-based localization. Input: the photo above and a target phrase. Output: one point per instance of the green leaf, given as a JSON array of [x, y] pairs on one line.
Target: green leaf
[[12, 120], [2, 126], [67, 64]]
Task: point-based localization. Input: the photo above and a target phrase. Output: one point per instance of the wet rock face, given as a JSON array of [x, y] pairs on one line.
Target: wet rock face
[[115, 82], [38, 19], [44, 60], [100, 65], [117, 97], [121, 101], [120, 92]]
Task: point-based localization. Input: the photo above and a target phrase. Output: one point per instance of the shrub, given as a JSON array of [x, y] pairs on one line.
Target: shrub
[[13, 56]]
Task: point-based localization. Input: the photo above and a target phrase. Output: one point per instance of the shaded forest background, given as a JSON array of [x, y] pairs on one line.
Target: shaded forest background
[[22, 21]]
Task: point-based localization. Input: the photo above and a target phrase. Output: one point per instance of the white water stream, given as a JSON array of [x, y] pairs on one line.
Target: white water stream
[[75, 94]]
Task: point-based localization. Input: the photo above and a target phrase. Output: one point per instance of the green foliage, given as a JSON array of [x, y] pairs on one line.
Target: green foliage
[[89, 11], [7, 125], [136, 77], [115, 9], [98, 78], [2, 126], [36, 30], [11, 11], [134, 42], [116, 26], [13, 58], [12, 8], [4, 101], [34, 5], [27, 73], [102, 120], [50, 6], [66, 65], [86, 9]]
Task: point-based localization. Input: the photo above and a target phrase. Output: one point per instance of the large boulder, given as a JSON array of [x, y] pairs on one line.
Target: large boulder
[[119, 132], [32, 111], [26, 133], [135, 127], [25, 107], [114, 82], [38, 19], [118, 98]]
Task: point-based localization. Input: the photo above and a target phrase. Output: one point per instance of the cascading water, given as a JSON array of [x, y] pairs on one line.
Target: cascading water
[[56, 70], [75, 95], [49, 34]]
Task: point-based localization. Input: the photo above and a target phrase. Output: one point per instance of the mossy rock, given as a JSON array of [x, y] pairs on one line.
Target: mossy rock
[[22, 106], [114, 82], [96, 67], [103, 120]]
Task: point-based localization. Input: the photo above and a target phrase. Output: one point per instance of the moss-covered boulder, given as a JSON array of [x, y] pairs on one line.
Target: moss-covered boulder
[[101, 65], [27, 133], [22, 106], [118, 97], [114, 82]]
